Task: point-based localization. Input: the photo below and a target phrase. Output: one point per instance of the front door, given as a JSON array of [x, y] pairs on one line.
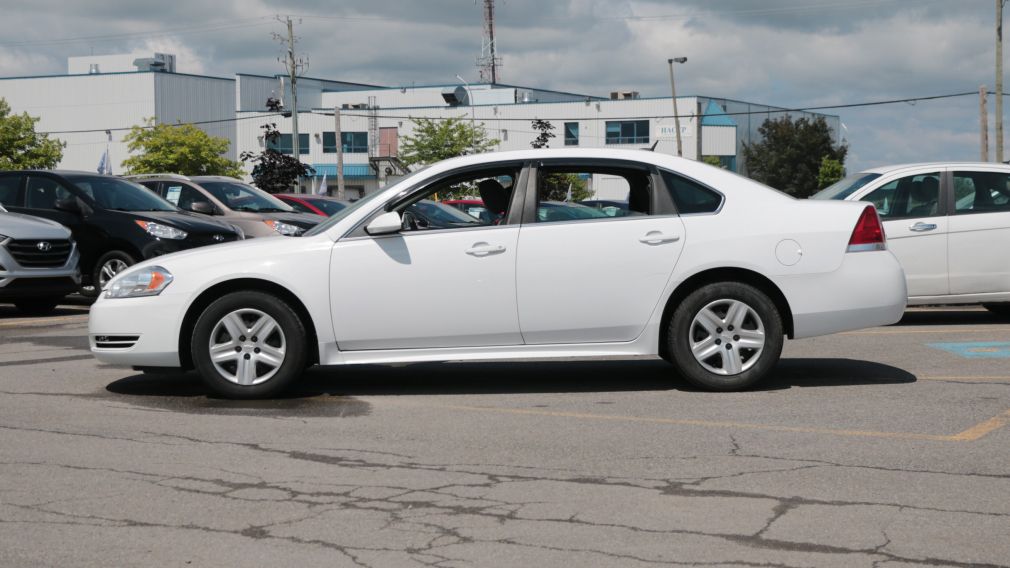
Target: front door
[[916, 225]]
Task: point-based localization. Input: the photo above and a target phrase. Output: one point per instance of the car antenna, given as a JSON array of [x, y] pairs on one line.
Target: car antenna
[[653, 147]]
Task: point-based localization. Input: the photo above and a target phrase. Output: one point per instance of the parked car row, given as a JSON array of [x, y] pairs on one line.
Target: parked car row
[[86, 228]]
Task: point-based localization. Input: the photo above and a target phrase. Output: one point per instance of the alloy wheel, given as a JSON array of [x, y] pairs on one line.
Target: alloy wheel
[[112, 267], [727, 337], [247, 347]]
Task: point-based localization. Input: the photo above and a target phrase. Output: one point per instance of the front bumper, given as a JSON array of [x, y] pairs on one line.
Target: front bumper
[[17, 282], [137, 331], [867, 290]]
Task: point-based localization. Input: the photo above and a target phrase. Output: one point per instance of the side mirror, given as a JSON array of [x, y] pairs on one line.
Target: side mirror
[[201, 207], [385, 224], [68, 204]]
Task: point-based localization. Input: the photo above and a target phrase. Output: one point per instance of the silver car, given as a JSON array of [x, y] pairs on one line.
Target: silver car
[[38, 262]]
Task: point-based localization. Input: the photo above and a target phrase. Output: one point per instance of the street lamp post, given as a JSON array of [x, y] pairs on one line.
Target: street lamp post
[[673, 93], [469, 102]]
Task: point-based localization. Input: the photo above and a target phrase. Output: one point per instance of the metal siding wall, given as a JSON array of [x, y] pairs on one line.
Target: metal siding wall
[[183, 98], [718, 140], [85, 102], [251, 92]]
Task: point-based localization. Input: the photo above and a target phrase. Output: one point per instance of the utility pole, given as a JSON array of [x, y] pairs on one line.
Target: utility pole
[[340, 153], [983, 125], [295, 67], [999, 80], [673, 94]]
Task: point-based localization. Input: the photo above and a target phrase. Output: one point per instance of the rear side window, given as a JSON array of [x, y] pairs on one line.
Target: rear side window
[[981, 192], [690, 196], [9, 186]]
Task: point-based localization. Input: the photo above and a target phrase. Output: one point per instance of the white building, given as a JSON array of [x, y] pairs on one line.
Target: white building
[[113, 93]]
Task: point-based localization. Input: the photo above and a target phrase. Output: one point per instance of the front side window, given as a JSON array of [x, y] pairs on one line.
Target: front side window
[[571, 134], [911, 196], [352, 142], [238, 196], [981, 192], [689, 196], [183, 196], [284, 144], [492, 187], [627, 132]]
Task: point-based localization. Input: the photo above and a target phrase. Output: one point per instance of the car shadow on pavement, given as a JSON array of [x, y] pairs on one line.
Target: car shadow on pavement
[[966, 315], [511, 377]]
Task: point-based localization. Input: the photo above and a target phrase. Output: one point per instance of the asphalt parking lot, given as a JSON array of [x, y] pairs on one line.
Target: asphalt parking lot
[[885, 447]]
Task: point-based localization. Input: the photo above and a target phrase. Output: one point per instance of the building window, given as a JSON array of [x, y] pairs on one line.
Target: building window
[[283, 144], [571, 134], [353, 142], [627, 132]]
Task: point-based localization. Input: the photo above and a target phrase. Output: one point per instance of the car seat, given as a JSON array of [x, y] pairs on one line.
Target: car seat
[[494, 194], [925, 196]]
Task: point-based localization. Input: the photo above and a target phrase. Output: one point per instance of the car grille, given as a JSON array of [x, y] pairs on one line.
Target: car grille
[[205, 239], [115, 341], [40, 253]]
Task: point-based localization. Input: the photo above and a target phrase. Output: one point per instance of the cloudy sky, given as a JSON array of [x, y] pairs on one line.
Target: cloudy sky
[[790, 53]]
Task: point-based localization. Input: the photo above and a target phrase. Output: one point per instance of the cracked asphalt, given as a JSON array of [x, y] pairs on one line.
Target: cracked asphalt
[[865, 449]]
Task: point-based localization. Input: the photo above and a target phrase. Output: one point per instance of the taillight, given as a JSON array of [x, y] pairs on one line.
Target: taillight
[[868, 234]]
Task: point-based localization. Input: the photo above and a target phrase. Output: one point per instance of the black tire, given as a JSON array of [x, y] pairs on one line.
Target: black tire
[[755, 364], [293, 337], [38, 306], [1002, 310], [112, 258]]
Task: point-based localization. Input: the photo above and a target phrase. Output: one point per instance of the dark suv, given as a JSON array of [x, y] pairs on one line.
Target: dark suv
[[115, 222]]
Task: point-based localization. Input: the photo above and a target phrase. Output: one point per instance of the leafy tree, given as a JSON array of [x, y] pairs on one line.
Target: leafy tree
[[830, 172], [556, 185], [712, 161], [179, 149], [789, 155], [435, 140], [546, 130], [273, 171], [22, 148]]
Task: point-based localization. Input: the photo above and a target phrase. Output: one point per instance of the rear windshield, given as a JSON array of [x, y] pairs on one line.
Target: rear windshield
[[241, 197], [846, 187], [120, 195]]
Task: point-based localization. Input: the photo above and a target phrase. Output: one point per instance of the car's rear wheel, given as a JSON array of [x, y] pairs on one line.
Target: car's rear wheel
[[38, 306], [107, 267], [1002, 309], [249, 344], [725, 336]]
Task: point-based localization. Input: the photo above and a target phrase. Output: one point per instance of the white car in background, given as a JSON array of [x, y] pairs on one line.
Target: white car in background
[[949, 225], [711, 272]]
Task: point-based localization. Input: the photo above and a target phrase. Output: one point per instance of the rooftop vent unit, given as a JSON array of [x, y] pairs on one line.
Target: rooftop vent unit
[[455, 96], [623, 95], [160, 62]]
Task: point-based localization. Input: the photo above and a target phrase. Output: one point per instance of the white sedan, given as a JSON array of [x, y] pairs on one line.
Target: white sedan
[[948, 224], [709, 270]]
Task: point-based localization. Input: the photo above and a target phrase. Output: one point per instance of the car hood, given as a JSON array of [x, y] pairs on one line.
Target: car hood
[[27, 227], [188, 222], [303, 220]]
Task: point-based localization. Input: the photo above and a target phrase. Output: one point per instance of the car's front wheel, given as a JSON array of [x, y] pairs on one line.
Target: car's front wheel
[[107, 267], [725, 336], [249, 344], [1001, 310]]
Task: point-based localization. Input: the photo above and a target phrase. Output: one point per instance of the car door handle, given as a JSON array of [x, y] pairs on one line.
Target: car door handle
[[922, 227], [658, 238], [484, 249]]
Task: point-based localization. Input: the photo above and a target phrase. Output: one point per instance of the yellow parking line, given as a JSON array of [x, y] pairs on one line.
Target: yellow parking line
[[43, 321], [969, 435], [904, 331]]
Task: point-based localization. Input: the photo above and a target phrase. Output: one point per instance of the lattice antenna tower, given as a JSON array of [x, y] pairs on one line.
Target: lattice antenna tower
[[488, 62]]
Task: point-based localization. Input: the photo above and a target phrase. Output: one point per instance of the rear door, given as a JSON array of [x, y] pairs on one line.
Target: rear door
[[916, 224], [979, 233]]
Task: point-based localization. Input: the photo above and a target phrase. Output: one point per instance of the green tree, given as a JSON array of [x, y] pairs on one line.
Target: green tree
[[546, 130], [435, 140], [557, 185], [712, 161], [789, 155], [22, 148], [830, 172], [178, 149], [273, 171]]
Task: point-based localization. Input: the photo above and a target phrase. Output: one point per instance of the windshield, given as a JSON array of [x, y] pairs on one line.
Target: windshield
[[120, 195], [327, 206], [241, 197], [846, 187], [343, 213]]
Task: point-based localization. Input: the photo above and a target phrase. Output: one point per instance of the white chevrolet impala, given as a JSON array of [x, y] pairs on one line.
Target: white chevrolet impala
[[707, 269]]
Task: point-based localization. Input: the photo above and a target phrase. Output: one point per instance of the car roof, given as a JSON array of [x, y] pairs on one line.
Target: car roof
[[64, 173], [899, 167]]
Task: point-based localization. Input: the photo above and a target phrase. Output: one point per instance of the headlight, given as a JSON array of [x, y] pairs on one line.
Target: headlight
[[148, 281], [162, 231], [286, 229]]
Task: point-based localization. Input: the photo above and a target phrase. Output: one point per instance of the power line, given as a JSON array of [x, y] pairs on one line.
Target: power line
[[149, 126]]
